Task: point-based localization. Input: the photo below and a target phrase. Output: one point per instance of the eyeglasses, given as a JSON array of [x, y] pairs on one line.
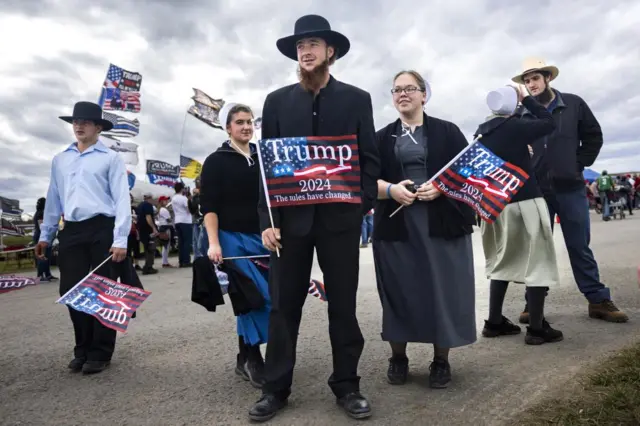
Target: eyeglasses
[[408, 90]]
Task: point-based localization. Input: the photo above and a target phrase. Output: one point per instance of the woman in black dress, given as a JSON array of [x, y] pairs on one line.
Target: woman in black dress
[[423, 255]]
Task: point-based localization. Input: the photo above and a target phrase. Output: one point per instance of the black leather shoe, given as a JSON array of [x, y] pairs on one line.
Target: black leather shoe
[[94, 367], [356, 405], [76, 364], [266, 408]]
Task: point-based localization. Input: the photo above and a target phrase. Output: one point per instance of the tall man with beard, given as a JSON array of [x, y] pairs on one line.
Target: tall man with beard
[[559, 160], [319, 105]]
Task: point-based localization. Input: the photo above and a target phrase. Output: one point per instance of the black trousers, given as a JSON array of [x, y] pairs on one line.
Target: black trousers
[[83, 246], [338, 256]]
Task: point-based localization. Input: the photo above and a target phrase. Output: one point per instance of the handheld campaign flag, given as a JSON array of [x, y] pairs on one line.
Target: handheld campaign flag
[[316, 289], [12, 282], [310, 170], [112, 303], [482, 180]]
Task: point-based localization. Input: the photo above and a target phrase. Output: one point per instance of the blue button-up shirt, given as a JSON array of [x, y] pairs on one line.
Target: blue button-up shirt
[[87, 184]]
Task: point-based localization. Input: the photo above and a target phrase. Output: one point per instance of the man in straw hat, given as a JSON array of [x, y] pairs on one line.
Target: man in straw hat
[[89, 184], [559, 160], [318, 105]]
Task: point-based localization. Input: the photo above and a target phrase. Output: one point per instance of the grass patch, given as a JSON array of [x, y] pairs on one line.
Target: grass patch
[[16, 241], [16, 262], [608, 396]]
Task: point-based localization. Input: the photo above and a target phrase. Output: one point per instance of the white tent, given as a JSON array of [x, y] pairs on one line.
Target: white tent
[[141, 187]]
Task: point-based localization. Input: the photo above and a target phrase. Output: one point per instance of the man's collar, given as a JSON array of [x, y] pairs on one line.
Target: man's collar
[[559, 100], [98, 146], [328, 88]]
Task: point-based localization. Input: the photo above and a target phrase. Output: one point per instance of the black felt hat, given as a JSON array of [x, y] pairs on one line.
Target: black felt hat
[[89, 111], [313, 26]]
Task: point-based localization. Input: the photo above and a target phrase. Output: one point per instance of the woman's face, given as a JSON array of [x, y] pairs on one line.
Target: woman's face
[[240, 127], [407, 97]]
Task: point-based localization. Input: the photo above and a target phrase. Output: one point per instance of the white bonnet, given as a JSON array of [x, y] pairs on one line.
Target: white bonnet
[[224, 113], [503, 101]]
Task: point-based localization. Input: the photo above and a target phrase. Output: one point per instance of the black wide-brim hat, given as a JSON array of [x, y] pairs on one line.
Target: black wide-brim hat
[[313, 26], [89, 111]]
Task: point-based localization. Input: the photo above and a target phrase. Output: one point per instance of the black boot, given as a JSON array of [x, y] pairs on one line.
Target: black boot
[[398, 370], [355, 405], [254, 366], [266, 408], [545, 335], [440, 374], [95, 367], [505, 328], [76, 364], [241, 367], [241, 359]]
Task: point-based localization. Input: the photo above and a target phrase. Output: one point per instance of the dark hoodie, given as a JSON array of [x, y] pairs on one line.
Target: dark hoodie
[[229, 188]]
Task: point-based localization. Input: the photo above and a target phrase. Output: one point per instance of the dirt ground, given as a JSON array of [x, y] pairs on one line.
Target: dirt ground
[[175, 364]]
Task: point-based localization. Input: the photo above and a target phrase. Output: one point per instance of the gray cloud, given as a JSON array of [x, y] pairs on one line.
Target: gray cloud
[[464, 50]]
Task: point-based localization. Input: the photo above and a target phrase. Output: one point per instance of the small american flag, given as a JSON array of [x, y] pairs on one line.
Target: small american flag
[[482, 180], [110, 302], [114, 76]]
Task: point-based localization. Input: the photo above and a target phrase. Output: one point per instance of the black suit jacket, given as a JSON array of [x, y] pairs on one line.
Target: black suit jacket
[[343, 110]]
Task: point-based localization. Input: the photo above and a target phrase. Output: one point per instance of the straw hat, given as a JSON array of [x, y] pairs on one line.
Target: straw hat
[[535, 64]]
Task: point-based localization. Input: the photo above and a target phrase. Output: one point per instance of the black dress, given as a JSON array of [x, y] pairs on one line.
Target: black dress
[[426, 284]]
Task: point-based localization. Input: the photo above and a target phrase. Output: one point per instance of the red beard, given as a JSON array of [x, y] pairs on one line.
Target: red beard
[[315, 79]]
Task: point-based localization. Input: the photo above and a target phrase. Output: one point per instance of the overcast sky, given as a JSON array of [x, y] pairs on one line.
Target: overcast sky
[[55, 53]]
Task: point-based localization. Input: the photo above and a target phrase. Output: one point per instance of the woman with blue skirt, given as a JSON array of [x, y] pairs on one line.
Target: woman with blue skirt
[[229, 199]]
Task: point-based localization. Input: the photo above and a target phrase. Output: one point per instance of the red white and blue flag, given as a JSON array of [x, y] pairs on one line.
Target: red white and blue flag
[[482, 180], [14, 282], [119, 100], [311, 170], [111, 302], [119, 78], [316, 288]]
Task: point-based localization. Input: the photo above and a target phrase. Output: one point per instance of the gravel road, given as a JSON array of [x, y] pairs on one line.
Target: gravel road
[[175, 364]]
